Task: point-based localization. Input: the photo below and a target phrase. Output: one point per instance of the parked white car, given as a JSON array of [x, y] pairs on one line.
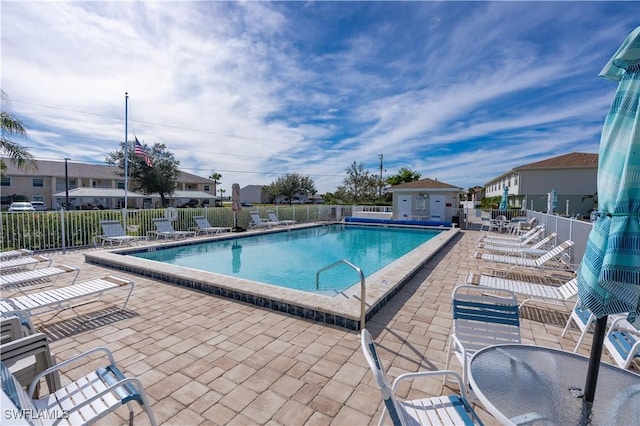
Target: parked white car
[[21, 207], [39, 206]]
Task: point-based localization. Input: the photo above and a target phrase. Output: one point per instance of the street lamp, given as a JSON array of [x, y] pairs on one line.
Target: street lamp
[[66, 183]]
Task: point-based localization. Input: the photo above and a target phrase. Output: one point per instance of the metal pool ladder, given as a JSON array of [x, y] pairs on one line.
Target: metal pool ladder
[[363, 307]]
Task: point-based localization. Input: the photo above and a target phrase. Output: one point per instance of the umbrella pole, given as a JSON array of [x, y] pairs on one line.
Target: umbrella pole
[[594, 359]]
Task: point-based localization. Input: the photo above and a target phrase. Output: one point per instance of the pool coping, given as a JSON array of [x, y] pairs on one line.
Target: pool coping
[[342, 310]]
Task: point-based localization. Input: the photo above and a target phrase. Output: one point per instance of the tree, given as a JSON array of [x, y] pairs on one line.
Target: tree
[[161, 178], [215, 177], [17, 154], [290, 186], [360, 186], [404, 175]]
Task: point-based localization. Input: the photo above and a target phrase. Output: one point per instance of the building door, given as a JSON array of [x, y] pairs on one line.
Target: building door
[[437, 207], [404, 207]]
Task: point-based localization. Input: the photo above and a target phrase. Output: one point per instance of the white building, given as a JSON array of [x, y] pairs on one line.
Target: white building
[[425, 199], [92, 185], [572, 175]]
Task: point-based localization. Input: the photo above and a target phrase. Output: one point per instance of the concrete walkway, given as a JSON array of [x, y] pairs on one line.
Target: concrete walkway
[[207, 360]]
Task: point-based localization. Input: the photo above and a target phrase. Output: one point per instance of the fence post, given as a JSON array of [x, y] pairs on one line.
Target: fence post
[[64, 236]]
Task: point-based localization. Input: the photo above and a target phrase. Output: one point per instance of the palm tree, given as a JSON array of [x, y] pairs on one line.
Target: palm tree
[[215, 177], [18, 155]]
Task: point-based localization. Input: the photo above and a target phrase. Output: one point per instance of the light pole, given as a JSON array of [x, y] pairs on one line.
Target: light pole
[[66, 183], [381, 156]]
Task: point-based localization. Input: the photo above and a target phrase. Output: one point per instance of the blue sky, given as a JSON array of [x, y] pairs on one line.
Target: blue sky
[[457, 91]]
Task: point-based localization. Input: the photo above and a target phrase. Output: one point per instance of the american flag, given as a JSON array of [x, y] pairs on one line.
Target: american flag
[[142, 153]]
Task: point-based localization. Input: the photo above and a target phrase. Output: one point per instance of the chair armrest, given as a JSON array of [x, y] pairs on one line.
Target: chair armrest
[[412, 376], [57, 367], [458, 344]]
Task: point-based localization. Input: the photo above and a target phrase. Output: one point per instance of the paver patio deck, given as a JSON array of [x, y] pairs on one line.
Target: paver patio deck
[[208, 360]]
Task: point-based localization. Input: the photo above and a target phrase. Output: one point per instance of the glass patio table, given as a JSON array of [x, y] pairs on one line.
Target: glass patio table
[[522, 384]]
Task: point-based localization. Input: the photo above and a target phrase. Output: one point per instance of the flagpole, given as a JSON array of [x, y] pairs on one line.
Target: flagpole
[[126, 159]]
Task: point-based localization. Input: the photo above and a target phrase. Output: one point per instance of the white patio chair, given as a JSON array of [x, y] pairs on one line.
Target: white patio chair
[[440, 410], [622, 342], [482, 316], [26, 356], [532, 292], [83, 401], [583, 319]]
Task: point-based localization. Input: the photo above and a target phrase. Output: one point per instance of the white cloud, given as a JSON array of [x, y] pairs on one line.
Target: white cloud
[[254, 89]]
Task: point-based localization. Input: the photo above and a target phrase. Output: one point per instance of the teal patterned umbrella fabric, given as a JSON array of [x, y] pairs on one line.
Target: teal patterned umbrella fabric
[[504, 202], [609, 275]]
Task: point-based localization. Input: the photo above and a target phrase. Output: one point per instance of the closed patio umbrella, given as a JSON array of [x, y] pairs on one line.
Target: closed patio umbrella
[[236, 206], [552, 202], [504, 202], [609, 274]]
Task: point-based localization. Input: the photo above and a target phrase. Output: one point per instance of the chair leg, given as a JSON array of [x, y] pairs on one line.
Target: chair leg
[[448, 360]]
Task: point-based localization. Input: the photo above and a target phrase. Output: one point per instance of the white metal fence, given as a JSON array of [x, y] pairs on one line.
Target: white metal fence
[[60, 230], [566, 228]]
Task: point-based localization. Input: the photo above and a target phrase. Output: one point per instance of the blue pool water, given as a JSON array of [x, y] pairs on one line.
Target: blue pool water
[[291, 259]]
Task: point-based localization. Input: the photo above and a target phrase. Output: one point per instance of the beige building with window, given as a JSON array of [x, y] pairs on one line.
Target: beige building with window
[[91, 185], [572, 175]]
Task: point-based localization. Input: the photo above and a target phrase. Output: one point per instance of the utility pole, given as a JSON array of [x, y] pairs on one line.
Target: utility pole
[[380, 183], [66, 184]]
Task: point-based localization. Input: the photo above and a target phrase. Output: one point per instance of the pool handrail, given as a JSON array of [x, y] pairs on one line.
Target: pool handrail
[[363, 307]]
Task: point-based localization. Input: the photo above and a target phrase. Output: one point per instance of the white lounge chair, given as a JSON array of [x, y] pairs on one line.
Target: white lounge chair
[[204, 227], [81, 402], [114, 234], [274, 219], [523, 248], [449, 410], [540, 263], [164, 229], [524, 226], [23, 262], [37, 276], [12, 254], [62, 298], [532, 292], [503, 239], [482, 316], [513, 242], [257, 222]]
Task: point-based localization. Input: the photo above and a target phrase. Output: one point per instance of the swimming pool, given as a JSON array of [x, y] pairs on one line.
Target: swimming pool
[[292, 259], [340, 308]]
